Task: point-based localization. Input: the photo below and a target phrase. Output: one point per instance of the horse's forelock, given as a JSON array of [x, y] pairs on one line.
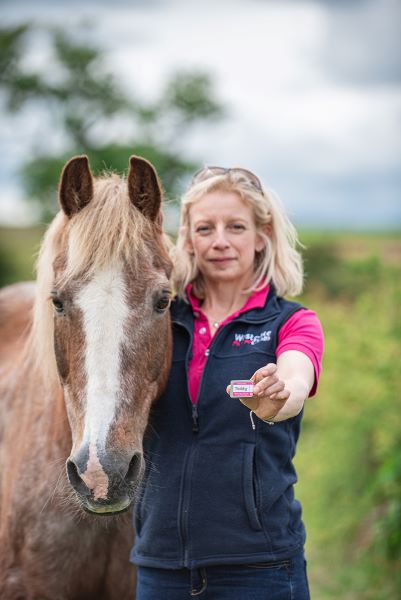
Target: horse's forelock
[[110, 230]]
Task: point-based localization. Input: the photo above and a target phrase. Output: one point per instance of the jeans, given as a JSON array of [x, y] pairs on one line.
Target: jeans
[[278, 580]]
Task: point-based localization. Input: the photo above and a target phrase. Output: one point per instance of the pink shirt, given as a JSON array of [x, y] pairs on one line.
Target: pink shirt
[[302, 332]]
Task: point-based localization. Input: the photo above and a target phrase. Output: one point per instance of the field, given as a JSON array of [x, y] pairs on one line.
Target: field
[[349, 456]]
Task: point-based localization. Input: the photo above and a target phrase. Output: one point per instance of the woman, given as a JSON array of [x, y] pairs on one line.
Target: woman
[[217, 518]]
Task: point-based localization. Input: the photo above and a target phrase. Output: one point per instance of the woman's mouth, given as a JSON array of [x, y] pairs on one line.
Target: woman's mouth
[[221, 260]]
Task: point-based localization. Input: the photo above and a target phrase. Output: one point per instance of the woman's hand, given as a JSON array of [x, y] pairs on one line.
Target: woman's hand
[[269, 394], [281, 389]]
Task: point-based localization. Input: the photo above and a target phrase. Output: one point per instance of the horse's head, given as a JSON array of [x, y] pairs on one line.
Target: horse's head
[[112, 342]]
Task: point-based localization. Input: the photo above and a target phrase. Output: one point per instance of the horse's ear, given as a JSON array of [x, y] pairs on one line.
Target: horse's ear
[[76, 185], [144, 188]]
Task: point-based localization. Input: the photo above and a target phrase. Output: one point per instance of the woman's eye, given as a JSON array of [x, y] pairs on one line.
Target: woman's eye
[[238, 227], [203, 229], [163, 303], [58, 305]]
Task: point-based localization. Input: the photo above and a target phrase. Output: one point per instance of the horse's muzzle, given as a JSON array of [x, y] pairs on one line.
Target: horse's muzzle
[[104, 484]]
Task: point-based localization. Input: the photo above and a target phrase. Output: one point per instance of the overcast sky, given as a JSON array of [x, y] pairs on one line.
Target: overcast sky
[[312, 90]]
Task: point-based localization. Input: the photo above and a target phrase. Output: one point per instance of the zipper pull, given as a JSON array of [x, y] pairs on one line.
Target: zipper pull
[[195, 422], [252, 422]]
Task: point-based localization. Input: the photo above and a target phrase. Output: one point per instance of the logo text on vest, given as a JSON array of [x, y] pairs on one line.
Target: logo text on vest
[[251, 338]]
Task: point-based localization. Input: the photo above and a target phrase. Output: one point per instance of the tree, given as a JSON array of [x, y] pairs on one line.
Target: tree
[[82, 99]]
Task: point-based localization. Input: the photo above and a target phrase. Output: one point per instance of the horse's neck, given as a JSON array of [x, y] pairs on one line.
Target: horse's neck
[[35, 424], [34, 445]]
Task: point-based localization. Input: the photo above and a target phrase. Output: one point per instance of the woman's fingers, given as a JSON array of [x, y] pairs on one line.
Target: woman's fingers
[[263, 372], [268, 386], [283, 395], [265, 378]]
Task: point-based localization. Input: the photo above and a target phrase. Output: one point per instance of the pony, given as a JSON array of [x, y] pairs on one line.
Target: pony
[[84, 353]]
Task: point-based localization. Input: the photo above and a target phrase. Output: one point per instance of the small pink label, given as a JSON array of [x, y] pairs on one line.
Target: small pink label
[[241, 388]]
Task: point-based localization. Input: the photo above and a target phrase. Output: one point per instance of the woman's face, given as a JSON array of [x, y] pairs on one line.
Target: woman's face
[[223, 238]]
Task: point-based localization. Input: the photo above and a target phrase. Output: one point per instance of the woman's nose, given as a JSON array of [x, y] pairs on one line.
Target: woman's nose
[[220, 239]]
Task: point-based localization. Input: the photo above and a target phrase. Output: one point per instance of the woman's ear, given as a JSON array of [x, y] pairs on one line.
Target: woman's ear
[[268, 230], [189, 248], [261, 242]]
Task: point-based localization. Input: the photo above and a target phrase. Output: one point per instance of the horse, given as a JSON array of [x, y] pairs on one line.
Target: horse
[[84, 354]]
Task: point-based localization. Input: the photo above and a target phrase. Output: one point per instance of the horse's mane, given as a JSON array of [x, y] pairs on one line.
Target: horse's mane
[[107, 231]]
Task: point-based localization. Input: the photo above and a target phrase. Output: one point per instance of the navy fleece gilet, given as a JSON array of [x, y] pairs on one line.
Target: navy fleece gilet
[[215, 490]]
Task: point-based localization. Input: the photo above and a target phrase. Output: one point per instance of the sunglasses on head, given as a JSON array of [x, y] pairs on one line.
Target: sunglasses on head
[[208, 172]]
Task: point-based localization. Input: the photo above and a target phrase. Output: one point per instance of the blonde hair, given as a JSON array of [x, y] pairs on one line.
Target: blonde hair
[[279, 262]]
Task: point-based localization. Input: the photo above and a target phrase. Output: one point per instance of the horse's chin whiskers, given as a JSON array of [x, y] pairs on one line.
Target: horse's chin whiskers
[[72, 506], [53, 492], [57, 460]]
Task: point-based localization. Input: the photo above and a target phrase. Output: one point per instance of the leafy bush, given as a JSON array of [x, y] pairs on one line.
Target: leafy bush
[[336, 277], [349, 458]]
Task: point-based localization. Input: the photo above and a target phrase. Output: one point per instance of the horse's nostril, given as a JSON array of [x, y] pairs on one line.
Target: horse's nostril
[[75, 478], [134, 469], [72, 472]]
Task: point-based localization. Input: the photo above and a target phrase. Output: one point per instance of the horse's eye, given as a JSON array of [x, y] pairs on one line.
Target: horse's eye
[[58, 305], [163, 303]]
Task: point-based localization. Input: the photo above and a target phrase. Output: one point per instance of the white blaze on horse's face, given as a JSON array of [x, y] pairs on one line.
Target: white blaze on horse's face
[[104, 313]]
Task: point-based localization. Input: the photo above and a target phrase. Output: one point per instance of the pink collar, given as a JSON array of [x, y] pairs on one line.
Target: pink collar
[[256, 300]]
